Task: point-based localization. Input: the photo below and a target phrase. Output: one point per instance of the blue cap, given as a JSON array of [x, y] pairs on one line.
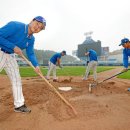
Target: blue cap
[[40, 19], [123, 41]]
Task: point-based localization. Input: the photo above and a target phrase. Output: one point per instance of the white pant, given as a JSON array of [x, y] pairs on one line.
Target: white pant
[[91, 65], [9, 64], [51, 67]]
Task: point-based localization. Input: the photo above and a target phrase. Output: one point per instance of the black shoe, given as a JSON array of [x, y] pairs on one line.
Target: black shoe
[[55, 80], [22, 109]]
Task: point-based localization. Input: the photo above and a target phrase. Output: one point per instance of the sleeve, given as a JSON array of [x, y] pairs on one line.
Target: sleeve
[[125, 59], [5, 32], [59, 56], [31, 55]]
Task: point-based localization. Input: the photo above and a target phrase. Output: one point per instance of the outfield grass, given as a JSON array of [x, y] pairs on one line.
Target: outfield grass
[[66, 71]]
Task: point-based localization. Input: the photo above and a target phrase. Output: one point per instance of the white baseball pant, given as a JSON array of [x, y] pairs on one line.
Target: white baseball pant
[[91, 65], [51, 67], [9, 64]]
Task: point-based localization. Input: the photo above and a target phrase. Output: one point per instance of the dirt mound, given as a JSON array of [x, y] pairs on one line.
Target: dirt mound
[[66, 80]]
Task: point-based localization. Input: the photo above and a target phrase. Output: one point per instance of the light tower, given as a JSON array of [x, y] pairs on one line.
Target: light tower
[[88, 34]]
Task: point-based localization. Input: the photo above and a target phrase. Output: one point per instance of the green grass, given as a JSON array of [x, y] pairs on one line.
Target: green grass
[[78, 70], [125, 75], [66, 71]]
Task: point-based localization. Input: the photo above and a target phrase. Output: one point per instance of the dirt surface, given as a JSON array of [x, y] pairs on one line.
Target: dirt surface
[[106, 108]]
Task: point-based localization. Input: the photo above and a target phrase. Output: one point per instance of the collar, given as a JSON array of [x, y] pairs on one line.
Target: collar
[[26, 31]]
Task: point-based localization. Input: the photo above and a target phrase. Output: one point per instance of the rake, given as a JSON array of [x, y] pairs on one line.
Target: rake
[[65, 101], [94, 85]]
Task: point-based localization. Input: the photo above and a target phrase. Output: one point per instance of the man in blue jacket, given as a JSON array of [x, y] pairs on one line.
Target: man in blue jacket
[[126, 52], [92, 64], [14, 37], [52, 64]]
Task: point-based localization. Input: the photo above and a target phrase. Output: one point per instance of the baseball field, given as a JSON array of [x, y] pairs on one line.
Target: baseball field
[[107, 107]]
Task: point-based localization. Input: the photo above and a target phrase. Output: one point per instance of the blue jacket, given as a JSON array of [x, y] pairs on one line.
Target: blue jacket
[[16, 34], [126, 54], [92, 55], [54, 58]]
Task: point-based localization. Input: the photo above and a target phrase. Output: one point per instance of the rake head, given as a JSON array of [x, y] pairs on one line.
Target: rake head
[[92, 85]]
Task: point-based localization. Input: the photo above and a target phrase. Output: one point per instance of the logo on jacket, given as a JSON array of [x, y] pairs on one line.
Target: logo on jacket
[[27, 44]]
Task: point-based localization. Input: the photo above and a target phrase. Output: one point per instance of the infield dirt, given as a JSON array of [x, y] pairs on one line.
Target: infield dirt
[[106, 108]]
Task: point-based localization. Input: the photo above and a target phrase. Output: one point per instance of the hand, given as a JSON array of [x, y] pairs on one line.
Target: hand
[[60, 66], [18, 51], [37, 70], [86, 53], [125, 70], [87, 62]]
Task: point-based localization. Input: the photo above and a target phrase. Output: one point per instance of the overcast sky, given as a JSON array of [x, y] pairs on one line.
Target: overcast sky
[[68, 20]]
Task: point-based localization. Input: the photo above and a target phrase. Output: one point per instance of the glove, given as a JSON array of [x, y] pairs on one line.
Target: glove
[[60, 66], [87, 62], [125, 70]]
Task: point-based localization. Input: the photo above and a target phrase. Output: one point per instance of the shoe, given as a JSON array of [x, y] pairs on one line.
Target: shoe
[[84, 79], [128, 89], [22, 109], [55, 80], [47, 78]]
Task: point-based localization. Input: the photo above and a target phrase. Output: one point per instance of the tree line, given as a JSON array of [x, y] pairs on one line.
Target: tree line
[[43, 57]]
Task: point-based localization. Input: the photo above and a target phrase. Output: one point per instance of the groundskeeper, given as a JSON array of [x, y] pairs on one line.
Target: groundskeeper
[[92, 64], [125, 42], [126, 52], [55, 59], [14, 37]]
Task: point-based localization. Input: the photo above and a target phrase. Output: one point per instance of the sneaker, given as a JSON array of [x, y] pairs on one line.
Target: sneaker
[[55, 80], [128, 89], [47, 78], [22, 109], [84, 79]]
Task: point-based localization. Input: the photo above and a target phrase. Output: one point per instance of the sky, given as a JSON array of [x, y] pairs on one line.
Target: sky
[[68, 20]]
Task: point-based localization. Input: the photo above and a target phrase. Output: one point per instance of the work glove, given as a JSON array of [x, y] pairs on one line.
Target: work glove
[[87, 62], [60, 66], [125, 70]]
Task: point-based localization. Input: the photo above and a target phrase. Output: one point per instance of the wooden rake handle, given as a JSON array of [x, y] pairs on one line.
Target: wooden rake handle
[[66, 102], [115, 75]]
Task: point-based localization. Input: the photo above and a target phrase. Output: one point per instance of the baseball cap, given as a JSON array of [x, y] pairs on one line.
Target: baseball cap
[[123, 41], [40, 19], [64, 52]]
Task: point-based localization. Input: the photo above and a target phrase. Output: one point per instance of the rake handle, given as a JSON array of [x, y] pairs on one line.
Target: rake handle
[[66, 102], [114, 75]]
